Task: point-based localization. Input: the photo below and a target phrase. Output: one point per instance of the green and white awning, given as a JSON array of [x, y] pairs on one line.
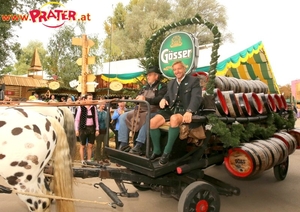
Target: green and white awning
[[249, 64]]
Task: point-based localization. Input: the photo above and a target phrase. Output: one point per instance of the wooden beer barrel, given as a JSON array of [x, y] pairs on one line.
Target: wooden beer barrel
[[271, 103], [263, 99], [288, 140], [278, 102], [244, 104], [296, 134], [284, 104], [283, 150], [267, 151], [232, 103], [219, 83], [246, 160], [236, 83], [275, 152], [220, 103], [255, 103], [263, 156]]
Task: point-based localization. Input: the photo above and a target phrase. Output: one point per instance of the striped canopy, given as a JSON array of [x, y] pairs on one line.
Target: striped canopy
[[249, 64]]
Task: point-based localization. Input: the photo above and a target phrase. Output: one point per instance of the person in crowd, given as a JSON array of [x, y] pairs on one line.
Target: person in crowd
[[63, 99], [182, 100], [72, 108], [115, 119], [100, 153], [152, 92], [53, 99], [86, 127]]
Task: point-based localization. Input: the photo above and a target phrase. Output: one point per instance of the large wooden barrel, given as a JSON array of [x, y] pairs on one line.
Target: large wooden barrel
[[220, 102], [278, 102], [232, 103], [246, 160], [289, 140], [271, 103], [219, 84], [284, 104], [283, 150], [268, 151], [296, 134], [274, 150], [255, 103], [244, 104], [266, 109]]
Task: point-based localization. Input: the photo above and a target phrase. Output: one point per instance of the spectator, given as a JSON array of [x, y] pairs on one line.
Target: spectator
[[100, 154], [86, 127]]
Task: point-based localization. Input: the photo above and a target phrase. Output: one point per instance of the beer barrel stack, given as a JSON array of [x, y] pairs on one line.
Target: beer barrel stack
[[247, 98], [239, 97]]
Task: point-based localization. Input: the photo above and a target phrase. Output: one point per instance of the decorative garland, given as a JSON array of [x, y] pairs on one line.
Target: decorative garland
[[189, 21], [232, 135]]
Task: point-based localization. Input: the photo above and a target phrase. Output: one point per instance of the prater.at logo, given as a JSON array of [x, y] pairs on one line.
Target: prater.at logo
[[178, 46], [55, 18]]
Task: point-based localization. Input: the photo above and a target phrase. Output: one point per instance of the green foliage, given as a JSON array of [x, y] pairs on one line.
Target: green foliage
[[231, 135], [25, 57], [131, 26]]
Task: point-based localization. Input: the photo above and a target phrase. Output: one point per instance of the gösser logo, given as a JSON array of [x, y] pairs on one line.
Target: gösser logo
[[178, 46], [54, 18]]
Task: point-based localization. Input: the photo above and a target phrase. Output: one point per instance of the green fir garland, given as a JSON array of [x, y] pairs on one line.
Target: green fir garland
[[231, 135]]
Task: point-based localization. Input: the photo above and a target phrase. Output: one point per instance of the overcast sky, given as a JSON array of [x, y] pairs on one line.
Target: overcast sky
[[275, 23]]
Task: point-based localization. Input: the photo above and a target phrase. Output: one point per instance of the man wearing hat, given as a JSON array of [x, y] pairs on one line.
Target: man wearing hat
[[134, 120]]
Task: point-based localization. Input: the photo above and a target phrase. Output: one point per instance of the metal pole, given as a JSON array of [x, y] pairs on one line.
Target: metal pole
[[110, 51]]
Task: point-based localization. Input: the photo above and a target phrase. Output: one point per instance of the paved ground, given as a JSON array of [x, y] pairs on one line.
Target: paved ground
[[261, 194]]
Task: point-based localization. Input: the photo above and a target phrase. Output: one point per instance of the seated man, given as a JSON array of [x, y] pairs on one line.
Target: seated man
[[152, 92], [184, 98]]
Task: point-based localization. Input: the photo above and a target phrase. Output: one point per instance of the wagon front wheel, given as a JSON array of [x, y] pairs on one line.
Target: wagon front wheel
[[199, 197], [280, 170]]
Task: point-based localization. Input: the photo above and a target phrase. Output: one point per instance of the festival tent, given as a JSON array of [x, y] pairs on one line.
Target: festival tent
[[250, 64]]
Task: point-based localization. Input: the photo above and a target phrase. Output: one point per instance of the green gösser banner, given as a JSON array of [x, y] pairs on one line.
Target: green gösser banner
[[178, 46]]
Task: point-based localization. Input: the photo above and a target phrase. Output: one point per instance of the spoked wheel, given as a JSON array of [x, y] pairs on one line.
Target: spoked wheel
[[280, 170], [141, 186], [199, 197]]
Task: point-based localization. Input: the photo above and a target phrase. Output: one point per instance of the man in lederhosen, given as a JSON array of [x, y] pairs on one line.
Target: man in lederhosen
[[134, 120], [183, 98]]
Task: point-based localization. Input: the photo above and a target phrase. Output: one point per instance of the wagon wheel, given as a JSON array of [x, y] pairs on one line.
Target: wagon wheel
[[199, 197], [280, 170], [141, 186]]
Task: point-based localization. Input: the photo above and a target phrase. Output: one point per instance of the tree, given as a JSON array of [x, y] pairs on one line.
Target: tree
[[130, 26], [62, 55], [25, 57], [8, 46]]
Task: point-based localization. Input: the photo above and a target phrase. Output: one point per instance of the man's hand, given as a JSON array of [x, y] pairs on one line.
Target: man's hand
[[97, 133], [77, 133], [187, 117], [163, 103], [140, 97]]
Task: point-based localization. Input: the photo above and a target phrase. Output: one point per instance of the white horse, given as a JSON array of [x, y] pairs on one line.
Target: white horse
[[28, 141]]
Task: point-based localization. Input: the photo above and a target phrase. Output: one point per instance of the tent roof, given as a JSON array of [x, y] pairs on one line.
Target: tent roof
[[250, 64], [23, 81]]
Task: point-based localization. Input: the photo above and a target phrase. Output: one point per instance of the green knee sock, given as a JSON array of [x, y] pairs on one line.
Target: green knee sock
[[155, 137], [172, 136]]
